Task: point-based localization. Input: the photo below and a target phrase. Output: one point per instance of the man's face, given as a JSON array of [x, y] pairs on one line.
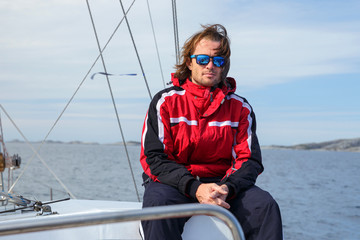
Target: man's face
[[205, 75]]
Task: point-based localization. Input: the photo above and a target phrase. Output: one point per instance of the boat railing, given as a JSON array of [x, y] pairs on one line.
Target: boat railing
[[52, 222]]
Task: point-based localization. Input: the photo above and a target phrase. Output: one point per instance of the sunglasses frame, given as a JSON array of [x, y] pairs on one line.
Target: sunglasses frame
[[214, 62]]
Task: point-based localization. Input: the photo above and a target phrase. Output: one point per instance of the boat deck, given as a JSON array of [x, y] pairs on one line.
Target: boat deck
[[198, 227]]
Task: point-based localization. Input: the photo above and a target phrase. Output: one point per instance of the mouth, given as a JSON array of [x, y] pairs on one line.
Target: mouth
[[209, 74]]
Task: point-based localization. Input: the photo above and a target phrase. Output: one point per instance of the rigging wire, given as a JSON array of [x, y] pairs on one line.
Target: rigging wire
[[176, 32], [112, 96], [72, 97], [37, 154], [156, 46], [137, 54]]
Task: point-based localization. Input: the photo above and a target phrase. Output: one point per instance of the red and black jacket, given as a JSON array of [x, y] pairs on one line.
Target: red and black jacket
[[193, 132]]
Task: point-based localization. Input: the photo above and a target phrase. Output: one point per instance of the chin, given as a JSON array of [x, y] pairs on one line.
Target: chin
[[210, 83], [207, 84]]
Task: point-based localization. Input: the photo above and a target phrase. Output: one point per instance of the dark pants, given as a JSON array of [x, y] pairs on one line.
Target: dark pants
[[257, 212]]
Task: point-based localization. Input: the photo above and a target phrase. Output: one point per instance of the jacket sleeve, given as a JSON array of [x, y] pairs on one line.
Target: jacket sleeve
[[156, 151], [247, 162]]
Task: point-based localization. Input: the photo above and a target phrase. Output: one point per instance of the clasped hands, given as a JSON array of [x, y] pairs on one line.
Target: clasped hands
[[211, 193]]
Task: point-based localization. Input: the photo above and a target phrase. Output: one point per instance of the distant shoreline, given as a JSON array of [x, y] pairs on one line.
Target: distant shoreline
[[347, 145], [129, 143]]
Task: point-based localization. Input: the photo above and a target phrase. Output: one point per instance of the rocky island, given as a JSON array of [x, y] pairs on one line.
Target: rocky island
[[350, 145]]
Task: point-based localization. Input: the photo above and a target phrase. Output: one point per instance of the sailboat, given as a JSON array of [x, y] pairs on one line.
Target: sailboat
[[70, 218]]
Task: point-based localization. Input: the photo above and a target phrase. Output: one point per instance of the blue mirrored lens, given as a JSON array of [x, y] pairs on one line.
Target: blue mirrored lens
[[218, 61], [202, 59]]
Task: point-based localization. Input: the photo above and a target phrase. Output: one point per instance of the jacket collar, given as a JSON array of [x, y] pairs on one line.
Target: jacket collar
[[228, 87], [217, 95]]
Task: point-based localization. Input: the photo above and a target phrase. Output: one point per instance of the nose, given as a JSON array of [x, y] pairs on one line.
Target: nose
[[210, 64]]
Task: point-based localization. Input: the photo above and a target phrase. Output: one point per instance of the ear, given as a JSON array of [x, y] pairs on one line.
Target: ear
[[189, 64]]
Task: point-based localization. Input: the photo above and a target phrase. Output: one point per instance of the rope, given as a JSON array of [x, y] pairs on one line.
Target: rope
[[111, 74], [112, 96], [37, 154], [176, 34], [137, 54], [81, 83], [66, 106], [156, 46]]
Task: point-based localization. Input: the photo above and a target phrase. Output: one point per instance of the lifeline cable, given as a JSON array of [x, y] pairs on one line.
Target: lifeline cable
[[37, 154]]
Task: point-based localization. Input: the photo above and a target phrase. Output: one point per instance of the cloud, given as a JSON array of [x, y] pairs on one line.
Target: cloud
[[273, 55], [47, 48], [270, 44]]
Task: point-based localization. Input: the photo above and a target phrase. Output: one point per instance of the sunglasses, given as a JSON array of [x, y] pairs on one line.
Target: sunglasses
[[205, 59]]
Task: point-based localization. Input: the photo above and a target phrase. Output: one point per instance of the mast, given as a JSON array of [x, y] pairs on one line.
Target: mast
[[6, 161], [176, 32], [2, 157]]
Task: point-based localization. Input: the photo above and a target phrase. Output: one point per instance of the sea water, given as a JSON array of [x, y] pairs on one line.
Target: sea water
[[318, 191]]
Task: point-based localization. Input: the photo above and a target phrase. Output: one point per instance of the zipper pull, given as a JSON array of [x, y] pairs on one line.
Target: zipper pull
[[211, 97]]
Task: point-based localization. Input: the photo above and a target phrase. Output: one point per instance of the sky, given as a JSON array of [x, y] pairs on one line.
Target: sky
[[296, 62]]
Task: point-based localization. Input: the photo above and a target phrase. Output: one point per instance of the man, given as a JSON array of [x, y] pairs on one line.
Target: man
[[199, 144]]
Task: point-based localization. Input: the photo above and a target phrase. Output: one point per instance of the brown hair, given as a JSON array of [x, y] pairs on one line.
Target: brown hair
[[215, 32]]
